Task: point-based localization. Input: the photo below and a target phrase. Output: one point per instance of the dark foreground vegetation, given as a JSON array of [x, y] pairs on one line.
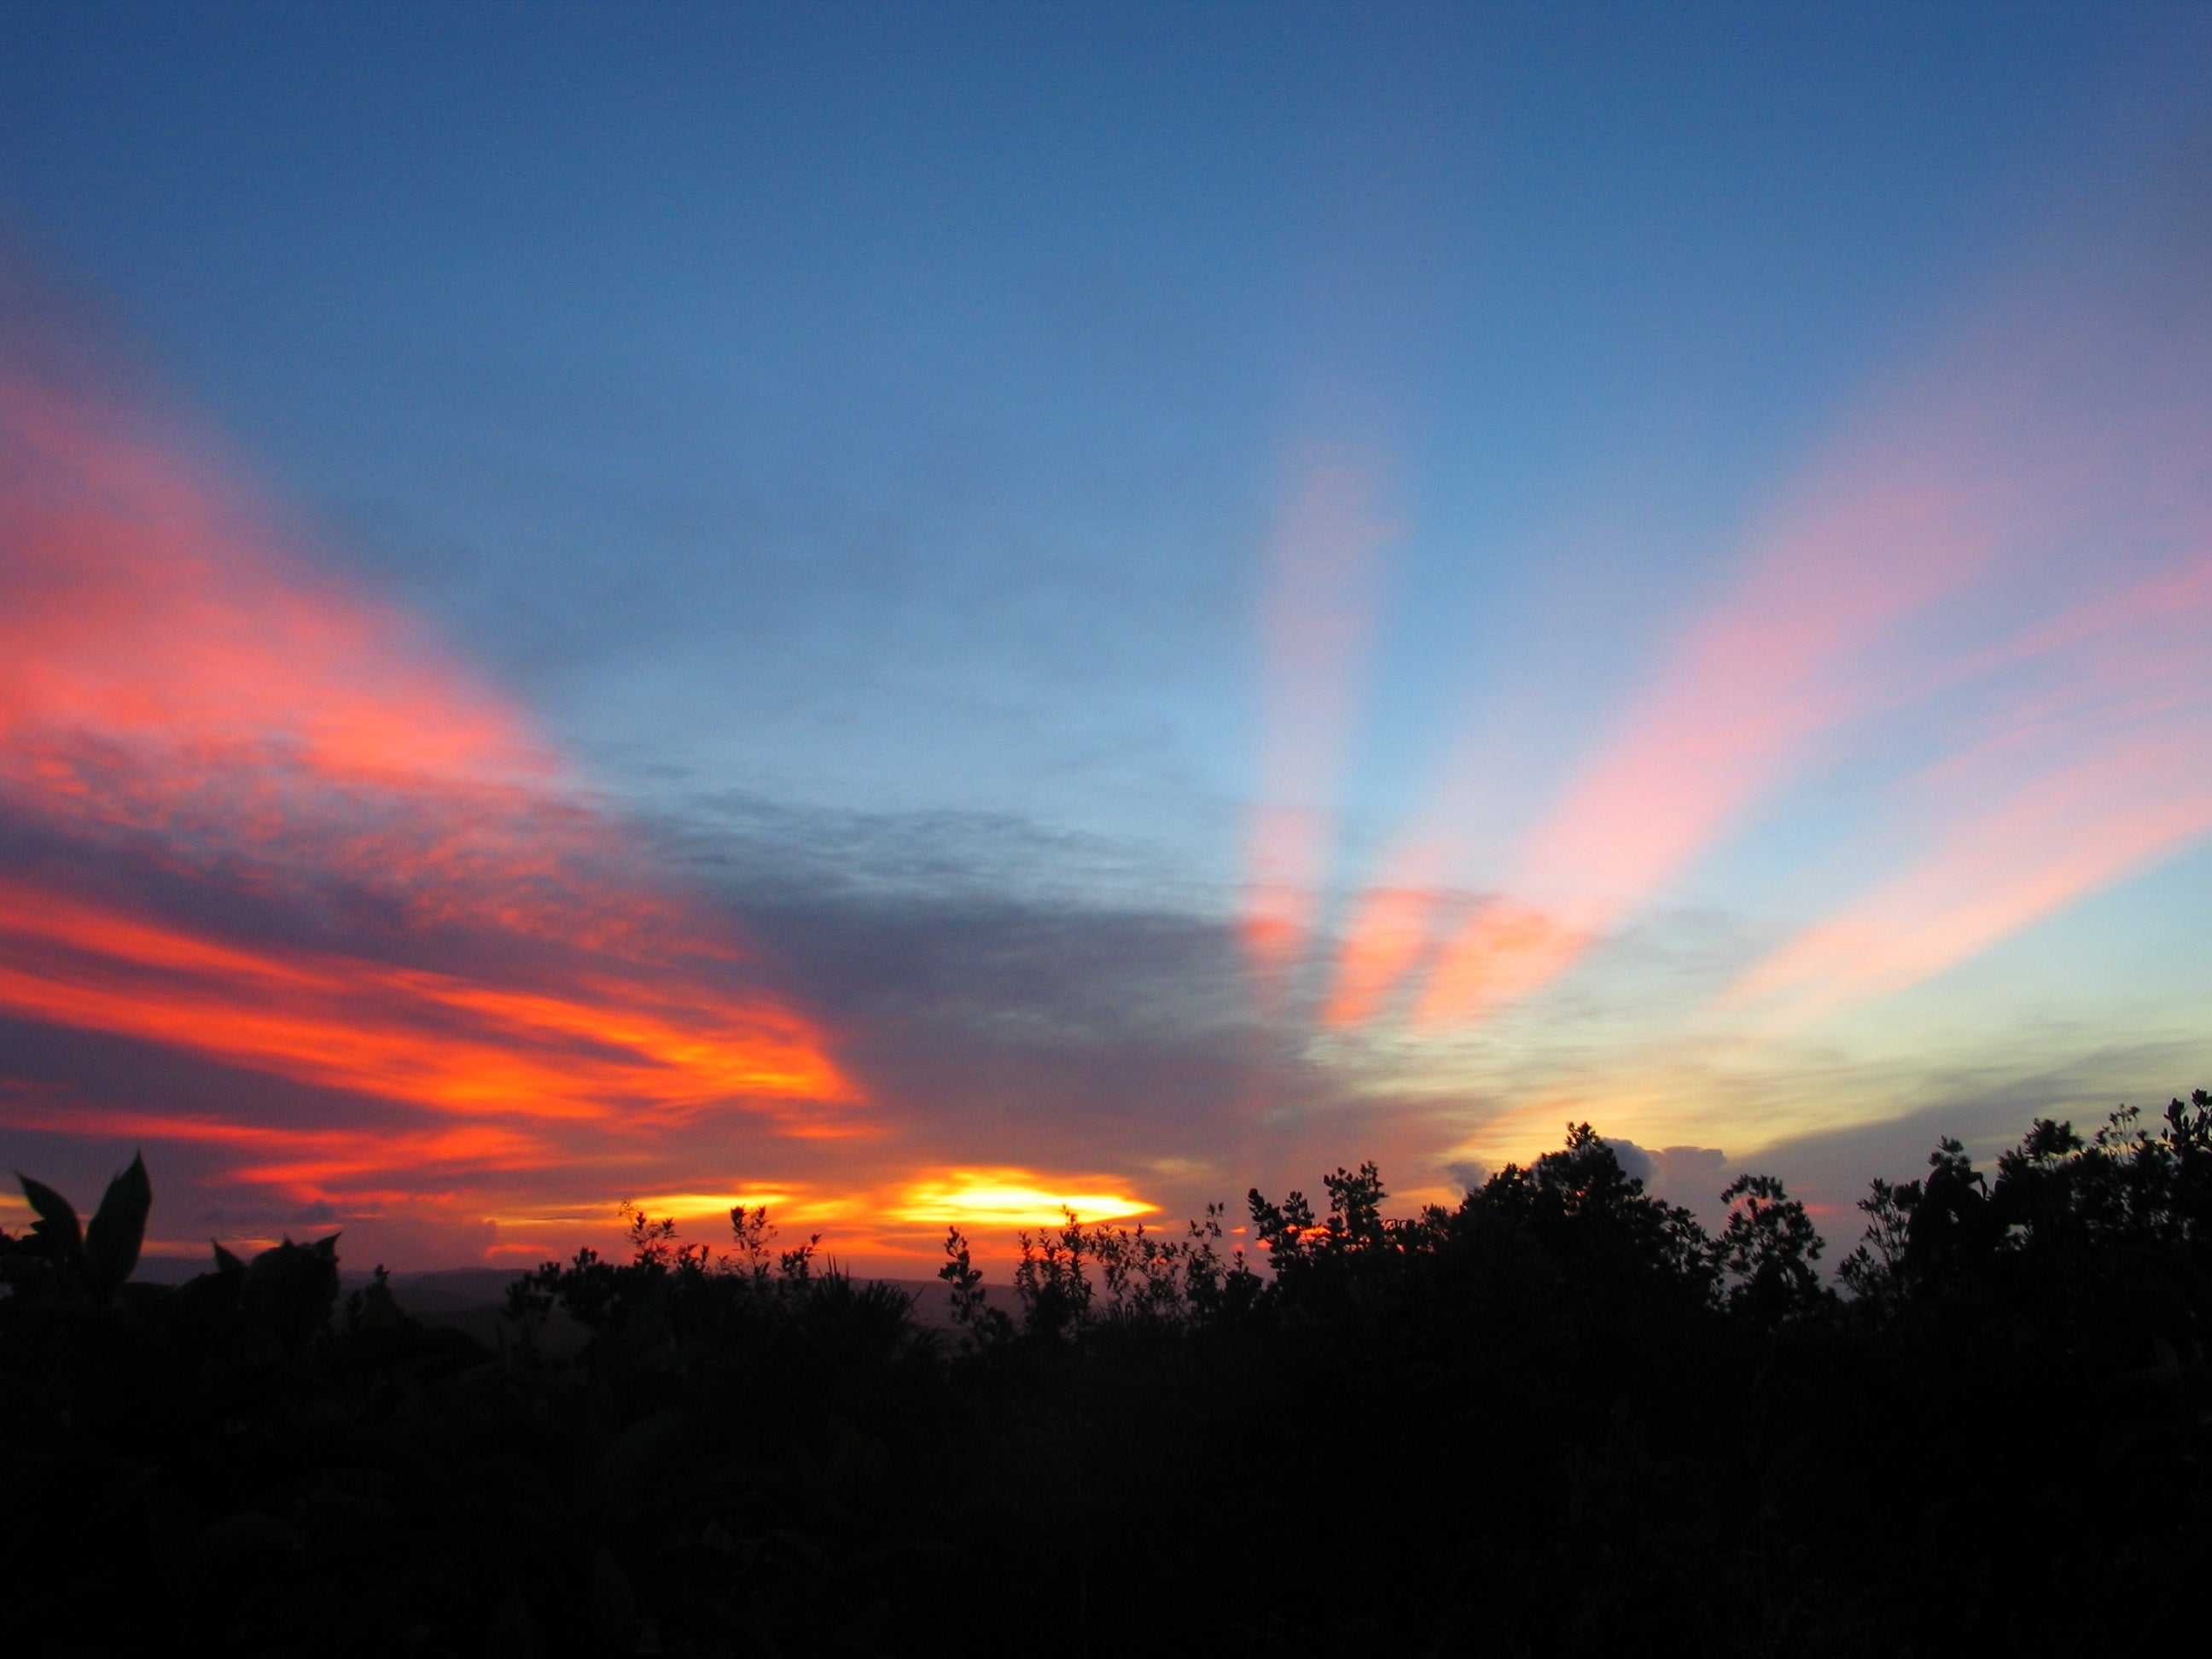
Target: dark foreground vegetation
[[1561, 1418]]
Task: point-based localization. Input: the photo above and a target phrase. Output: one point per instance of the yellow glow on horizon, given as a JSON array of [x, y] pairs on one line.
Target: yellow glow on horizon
[[783, 1204], [684, 1205], [1617, 1112], [988, 1202], [1004, 1198]]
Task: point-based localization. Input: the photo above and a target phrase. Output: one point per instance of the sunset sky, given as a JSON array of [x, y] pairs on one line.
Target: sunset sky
[[918, 615]]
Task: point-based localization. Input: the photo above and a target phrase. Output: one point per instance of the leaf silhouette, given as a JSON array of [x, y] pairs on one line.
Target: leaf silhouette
[[57, 1221], [118, 1228]]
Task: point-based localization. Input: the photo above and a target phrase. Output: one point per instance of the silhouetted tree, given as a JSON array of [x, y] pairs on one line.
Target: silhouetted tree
[[1952, 1231], [1874, 1271], [744, 1441], [1591, 1226], [1769, 1248]]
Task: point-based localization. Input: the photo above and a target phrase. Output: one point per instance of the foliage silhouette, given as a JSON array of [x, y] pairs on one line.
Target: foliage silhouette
[[61, 1258], [1559, 1417], [1769, 1249]]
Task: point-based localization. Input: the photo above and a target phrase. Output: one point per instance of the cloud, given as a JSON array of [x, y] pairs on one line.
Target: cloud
[[1879, 535], [1681, 1175], [608, 1045], [1468, 1174], [1315, 619], [995, 985], [298, 899], [256, 819], [2090, 767], [2042, 458], [301, 1164]]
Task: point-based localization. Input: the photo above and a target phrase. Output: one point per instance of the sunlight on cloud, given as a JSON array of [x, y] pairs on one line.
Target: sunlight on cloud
[[1388, 935], [1004, 1198], [195, 724], [350, 1023], [787, 1203], [307, 1165]]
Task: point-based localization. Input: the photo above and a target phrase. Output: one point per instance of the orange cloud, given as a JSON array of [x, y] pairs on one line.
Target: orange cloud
[[1386, 937], [308, 1164]]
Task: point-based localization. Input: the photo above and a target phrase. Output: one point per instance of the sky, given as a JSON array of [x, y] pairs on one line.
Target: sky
[[923, 614]]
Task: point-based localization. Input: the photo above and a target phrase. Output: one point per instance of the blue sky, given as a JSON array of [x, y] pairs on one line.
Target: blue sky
[[951, 485]]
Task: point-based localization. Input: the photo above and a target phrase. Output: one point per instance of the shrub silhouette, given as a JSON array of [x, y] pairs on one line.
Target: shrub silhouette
[[1559, 1417]]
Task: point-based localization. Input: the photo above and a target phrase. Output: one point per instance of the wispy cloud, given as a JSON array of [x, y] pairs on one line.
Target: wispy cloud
[[1316, 619], [267, 822], [2013, 517], [1880, 535], [2094, 762]]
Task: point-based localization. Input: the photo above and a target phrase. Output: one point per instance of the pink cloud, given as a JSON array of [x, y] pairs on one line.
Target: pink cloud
[[196, 722], [1734, 708], [1315, 622], [2047, 843], [2094, 768]]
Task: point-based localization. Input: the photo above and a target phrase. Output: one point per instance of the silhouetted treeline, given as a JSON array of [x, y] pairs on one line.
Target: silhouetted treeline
[[1562, 1416]]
